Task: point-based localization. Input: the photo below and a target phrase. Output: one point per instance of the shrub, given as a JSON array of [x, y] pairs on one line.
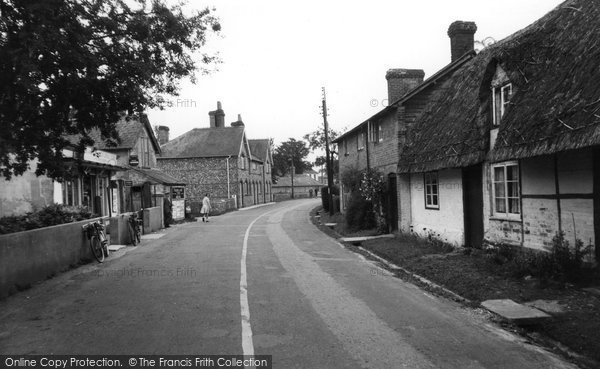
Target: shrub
[[560, 262], [359, 214], [48, 216]]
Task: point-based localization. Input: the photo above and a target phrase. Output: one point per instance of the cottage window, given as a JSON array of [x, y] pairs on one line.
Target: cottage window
[[375, 132], [506, 191], [346, 153], [360, 142], [432, 194], [70, 192], [500, 99]]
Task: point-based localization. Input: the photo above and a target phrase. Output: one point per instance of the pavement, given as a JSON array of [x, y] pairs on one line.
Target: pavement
[[265, 280]]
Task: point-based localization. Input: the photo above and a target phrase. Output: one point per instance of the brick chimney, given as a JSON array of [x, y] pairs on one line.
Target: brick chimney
[[238, 123], [462, 38], [163, 134], [401, 81], [217, 117]]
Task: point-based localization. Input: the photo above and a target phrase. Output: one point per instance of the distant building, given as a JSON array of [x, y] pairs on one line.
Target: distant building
[[220, 161], [302, 186]]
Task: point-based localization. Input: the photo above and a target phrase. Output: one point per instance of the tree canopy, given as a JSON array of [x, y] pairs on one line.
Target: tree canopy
[[288, 152], [316, 142], [70, 67]]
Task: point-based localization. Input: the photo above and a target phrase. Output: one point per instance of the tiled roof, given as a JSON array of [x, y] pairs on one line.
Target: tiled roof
[[159, 176], [128, 131], [260, 148], [205, 142]]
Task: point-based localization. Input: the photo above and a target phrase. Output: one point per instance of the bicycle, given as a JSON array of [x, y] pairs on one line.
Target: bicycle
[[98, 242], [134, 227]]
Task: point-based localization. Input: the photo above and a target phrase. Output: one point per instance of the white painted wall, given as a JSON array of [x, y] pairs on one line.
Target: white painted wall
[[540, 222], [446, 223]]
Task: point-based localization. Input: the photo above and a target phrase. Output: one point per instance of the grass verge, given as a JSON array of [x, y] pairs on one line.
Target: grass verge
[[574, 330]]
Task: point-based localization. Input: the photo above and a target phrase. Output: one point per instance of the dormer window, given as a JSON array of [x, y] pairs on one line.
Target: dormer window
[[501, 96]]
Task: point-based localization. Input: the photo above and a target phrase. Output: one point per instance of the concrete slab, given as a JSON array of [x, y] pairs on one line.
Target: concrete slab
[[516, 313], [330, 225], [152, 236], [116, 247], [365, 238]]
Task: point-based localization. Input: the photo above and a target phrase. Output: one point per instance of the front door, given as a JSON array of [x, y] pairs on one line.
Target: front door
[[473, 205]]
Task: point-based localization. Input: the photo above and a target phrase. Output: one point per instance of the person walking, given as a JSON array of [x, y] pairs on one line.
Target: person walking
[[205, 208]]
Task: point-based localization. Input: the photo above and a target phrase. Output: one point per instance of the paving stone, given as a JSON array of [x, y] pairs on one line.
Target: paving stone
[[115, 247], [365, 238], [516, 313]]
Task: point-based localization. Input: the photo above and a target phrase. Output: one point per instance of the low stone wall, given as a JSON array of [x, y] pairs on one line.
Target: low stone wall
[[31, 256], [219, 206]]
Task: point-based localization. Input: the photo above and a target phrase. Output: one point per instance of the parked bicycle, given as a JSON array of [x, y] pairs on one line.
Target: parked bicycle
[[135, 228], [97, 238]]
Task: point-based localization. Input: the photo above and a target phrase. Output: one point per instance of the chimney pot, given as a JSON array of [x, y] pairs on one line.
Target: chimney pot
[[401, 81], [462, 38], [217, 117], [163, 135], [239, 122]]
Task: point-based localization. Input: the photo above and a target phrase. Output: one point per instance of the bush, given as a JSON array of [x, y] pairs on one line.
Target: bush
[[561, 262], [50, 215], [360, 214]]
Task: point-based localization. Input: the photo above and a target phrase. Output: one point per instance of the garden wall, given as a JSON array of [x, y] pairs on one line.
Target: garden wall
[[31, 256]]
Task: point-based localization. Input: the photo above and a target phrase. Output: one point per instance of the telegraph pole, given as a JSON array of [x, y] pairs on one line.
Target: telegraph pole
[[327, 154]]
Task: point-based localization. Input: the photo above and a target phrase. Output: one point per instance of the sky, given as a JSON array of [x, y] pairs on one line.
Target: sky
[[277, 55]]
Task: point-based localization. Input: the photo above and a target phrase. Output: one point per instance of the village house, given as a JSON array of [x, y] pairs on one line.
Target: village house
[[376, 143], [219, 161], [507, 150], [262, 150], [301, 186], [142, 184], [88, 184]]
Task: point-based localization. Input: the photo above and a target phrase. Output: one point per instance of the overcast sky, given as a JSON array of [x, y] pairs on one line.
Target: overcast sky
[[278, 54]]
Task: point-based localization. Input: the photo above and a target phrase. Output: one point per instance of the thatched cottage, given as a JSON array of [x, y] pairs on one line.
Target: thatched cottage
[[377, 142], [509, 144]]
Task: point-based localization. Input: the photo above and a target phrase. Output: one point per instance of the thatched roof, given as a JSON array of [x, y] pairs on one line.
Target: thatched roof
[[553, 65], [451, 130]]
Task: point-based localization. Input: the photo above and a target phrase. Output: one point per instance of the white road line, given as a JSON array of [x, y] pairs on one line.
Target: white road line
[[247, 344]]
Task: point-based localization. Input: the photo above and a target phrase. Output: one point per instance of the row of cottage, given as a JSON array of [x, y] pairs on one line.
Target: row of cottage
[[500, 146], [145, 168]]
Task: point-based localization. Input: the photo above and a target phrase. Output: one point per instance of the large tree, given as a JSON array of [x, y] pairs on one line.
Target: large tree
[[71, 67], [287, 153]]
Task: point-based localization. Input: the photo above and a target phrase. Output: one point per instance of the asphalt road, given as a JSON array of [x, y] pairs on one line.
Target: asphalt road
[[262, 281]]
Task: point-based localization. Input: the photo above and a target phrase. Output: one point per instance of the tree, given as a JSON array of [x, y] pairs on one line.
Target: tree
[[316, 139], [316, 142], [288, 152], [75, 67]]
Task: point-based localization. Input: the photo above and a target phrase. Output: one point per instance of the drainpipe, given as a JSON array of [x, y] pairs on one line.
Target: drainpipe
[[228, 184]]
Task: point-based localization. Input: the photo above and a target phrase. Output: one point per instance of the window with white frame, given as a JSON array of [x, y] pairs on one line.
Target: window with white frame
[[501, 96], [346, 153], [432, 194], [506, 190]]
